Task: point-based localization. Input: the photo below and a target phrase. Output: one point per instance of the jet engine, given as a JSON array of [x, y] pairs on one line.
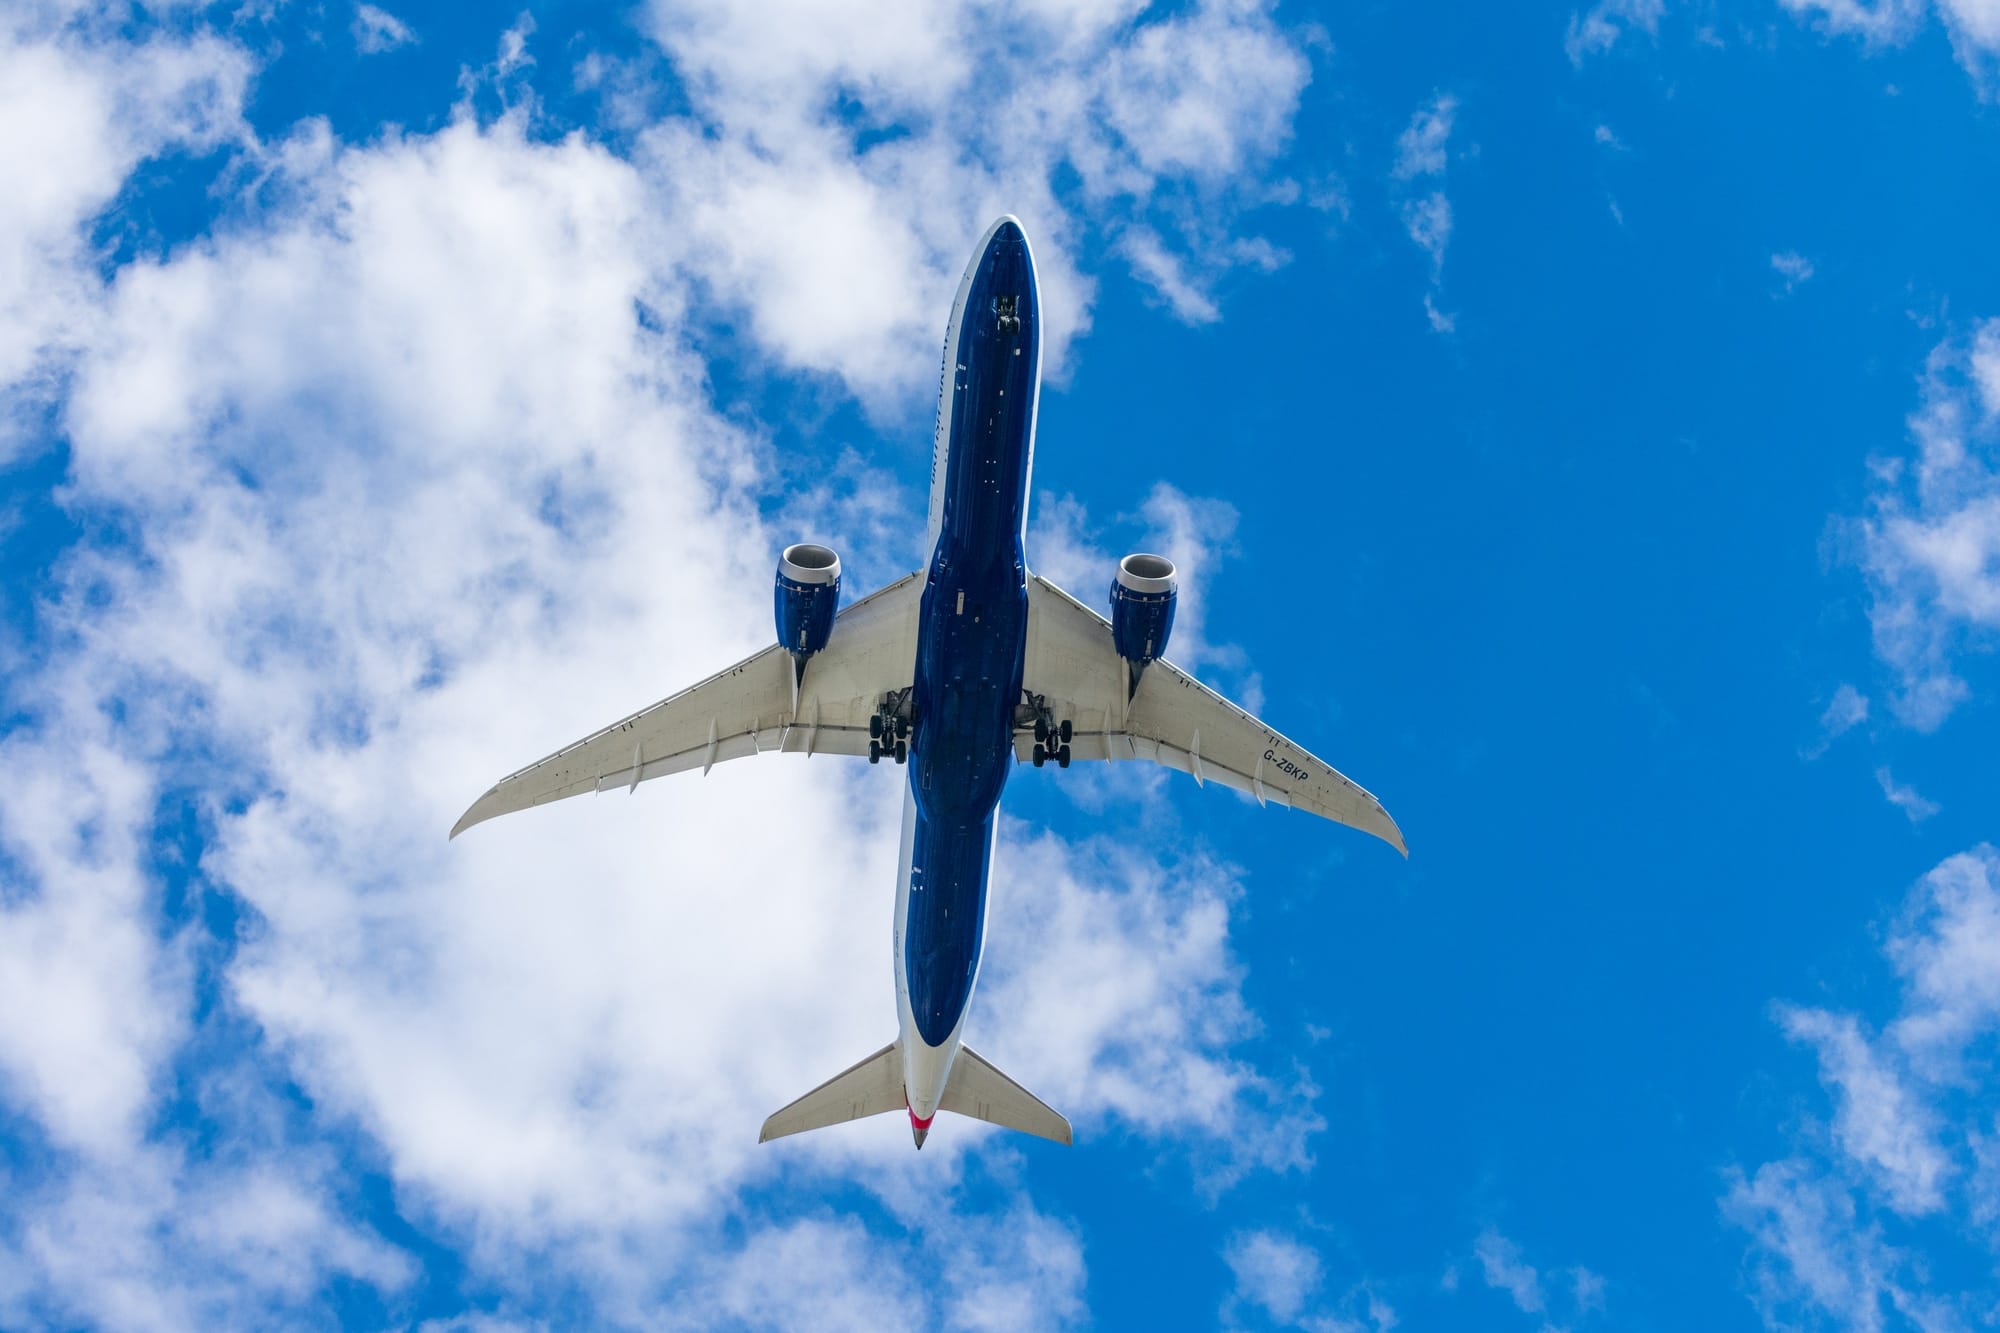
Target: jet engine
[[1142, 609], [805, 599]]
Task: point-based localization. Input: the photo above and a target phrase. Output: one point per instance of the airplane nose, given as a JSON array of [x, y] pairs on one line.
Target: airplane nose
[[1009, 229]]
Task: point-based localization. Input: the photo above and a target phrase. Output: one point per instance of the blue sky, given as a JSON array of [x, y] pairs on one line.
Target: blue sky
[[1579, 424]]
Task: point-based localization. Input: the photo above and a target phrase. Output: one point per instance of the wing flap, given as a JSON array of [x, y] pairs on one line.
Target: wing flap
[[1175, 720], [744, 710]]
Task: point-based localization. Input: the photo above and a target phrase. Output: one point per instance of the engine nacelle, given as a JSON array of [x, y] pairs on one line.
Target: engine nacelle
[[1142, 608], [806, 598]]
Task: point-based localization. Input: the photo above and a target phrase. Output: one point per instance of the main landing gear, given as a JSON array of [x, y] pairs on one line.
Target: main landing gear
[[1051, 742], [889, 734]]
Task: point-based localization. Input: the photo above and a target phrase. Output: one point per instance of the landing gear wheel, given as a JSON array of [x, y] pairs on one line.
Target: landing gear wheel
[[1062, 757], [874, 752], [1041, 730], [1041, 756], [1064, 731], [875, 727], [902, 728], [902, 752]]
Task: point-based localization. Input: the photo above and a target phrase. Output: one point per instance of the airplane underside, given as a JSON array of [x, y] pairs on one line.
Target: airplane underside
[[956, 674]]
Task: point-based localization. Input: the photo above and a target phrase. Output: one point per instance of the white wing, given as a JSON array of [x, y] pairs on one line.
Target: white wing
[[742, 711], [1173, 719]]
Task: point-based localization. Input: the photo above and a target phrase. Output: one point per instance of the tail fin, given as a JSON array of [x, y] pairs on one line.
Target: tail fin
[[979, 1090], [869, 1088]]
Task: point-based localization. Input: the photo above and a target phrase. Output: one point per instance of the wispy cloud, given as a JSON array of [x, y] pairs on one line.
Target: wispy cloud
[[1281, 1279], [1422, 157], [377, 30], [1974, 26], [1598, 30], [1794, 268], [1904, 797], [1931, 546], [1503, 1268], [1833, 1226]]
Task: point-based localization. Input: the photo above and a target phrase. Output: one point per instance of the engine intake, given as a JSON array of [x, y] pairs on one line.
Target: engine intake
[[806, 597], [1142, 609]]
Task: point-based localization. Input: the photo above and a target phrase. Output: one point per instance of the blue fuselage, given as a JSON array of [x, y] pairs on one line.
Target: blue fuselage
[[973, 633]]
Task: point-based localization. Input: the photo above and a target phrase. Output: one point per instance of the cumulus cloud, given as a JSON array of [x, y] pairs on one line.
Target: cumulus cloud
[[1851, 1225], [412, 473], [76, 117], [773, 174], [1931, 545]]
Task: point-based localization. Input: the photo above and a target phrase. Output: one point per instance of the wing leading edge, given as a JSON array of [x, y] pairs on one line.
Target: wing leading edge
[[1175, 720], [747, 709]]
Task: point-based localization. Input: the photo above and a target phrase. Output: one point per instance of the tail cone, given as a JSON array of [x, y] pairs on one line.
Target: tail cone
[[920, 1129]]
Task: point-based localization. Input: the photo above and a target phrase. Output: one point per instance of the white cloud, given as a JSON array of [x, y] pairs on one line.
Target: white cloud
[[1164, 272], [1879, 1122], [1422, 155], [1847, 710], [1274, 1273], [1599, 30], [1279, 1278], [1793, 267], [1872, 20], [1441, 321], [377, 30], [768, 181], [1421, 148], [75, 118], [1931, 547], [1429, 222], [1904, 797], [407, 493], [1811, 1249], [1847, 1225], [1503, 1268], [1974, 26]]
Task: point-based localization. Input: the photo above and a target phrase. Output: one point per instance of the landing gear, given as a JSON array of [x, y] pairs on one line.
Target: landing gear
[[1004, 316], [1051, 737], [889, 731]]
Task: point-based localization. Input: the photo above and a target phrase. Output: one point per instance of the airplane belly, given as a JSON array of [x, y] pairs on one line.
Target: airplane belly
[[971, 644]]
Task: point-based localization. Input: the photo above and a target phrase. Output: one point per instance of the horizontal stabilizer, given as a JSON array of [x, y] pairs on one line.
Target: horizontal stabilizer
[[869, 1088], [979, 1090]]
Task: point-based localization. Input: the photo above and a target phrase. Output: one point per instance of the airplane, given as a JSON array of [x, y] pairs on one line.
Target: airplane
[[957, 673]]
